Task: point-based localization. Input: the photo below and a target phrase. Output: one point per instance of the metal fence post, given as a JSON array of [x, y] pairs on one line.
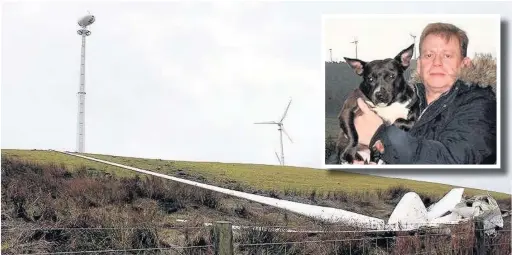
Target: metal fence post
[[223, 238], [480, 237]]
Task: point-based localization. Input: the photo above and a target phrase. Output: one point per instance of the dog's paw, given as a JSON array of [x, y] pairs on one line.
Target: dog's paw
[[347, 159], [341, 161]]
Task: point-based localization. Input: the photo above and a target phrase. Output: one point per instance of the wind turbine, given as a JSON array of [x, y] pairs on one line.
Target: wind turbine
[[281, 129], [355, 42]]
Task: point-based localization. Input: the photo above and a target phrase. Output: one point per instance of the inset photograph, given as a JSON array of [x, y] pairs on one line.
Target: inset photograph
[[412, 91]]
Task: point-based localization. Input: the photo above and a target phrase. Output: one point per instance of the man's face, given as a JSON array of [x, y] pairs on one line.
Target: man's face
[[440, 62]]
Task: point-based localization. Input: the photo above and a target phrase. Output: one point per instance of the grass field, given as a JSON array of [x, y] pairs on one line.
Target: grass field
[[54, 190], [264, 177]]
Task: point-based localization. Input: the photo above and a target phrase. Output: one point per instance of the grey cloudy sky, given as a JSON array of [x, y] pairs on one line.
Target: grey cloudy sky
[[182, 80], [393, 33]]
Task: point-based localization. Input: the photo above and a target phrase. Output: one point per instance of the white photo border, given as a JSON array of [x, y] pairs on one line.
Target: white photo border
[[497, 19]]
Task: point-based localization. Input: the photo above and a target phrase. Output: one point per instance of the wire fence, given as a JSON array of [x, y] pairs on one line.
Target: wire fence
[[224, 238], [207, 249], [107, 240], [405, 244]]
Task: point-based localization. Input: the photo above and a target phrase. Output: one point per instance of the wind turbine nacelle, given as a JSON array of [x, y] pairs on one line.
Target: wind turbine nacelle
[[86, 21]]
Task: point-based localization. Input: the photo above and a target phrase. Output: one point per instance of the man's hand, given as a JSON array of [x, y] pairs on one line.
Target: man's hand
[[366, 124]]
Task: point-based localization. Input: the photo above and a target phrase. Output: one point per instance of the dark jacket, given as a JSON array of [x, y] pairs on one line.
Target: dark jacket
[[457, 128]]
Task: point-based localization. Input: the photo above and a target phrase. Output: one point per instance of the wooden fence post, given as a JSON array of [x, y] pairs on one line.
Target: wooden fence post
[[480, 236], [223, 238]]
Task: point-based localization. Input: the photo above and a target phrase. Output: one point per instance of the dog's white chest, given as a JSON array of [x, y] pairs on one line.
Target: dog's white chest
[[392, 112]]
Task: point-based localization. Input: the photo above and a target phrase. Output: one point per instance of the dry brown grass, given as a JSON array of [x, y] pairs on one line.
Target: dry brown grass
[[46, 208], [131, 212], [348, 240]]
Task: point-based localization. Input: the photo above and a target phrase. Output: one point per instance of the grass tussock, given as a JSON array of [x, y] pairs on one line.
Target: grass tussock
[[248, 177], [337, 239], [47, 208], [51, 208]]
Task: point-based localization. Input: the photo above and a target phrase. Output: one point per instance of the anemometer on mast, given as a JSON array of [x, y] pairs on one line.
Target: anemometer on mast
[[84, 22]]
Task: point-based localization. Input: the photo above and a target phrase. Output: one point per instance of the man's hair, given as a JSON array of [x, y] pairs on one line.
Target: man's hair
[[447, 31]]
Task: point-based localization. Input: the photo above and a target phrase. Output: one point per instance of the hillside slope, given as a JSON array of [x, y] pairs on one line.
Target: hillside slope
[[114, 208], [252, 177]]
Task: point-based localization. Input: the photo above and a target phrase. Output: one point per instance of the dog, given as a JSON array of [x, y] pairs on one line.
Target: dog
[[386, 92]]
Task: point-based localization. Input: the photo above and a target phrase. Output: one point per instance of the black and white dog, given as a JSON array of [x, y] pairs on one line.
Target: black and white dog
[[386, 92]]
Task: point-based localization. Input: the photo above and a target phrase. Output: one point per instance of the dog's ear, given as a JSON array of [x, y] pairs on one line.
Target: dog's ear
[[405, 56], [356, 64]]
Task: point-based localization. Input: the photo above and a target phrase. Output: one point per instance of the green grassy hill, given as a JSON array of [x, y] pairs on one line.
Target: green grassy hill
[[53, 202], [278, 179]]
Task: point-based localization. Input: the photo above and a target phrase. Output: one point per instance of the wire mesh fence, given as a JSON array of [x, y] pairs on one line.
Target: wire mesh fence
[[114, 240], [464, 238], [171, 251], [500, 243], [450, 239]]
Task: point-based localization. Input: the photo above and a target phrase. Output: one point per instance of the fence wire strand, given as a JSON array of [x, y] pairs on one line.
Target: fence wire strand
[[121, 250], [454, 240]]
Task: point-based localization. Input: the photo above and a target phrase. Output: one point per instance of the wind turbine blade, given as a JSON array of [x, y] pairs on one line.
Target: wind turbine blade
[[266, 122], [286, 111], [278, 159], [286, 133]]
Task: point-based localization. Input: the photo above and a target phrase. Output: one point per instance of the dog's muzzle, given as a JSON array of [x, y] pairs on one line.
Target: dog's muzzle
[[381, 97]]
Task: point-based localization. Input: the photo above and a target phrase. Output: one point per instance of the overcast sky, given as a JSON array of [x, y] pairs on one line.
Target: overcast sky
[[186, 81], [394, 33]]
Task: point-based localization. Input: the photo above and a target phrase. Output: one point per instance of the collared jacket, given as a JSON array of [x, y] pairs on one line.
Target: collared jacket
[[457, 128]]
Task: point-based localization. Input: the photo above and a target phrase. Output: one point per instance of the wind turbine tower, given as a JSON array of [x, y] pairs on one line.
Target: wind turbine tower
[[84, 22], [280, 128], [414, 40], [355, 42]]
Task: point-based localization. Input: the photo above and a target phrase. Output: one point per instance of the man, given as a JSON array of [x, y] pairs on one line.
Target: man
[[457, 124]]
